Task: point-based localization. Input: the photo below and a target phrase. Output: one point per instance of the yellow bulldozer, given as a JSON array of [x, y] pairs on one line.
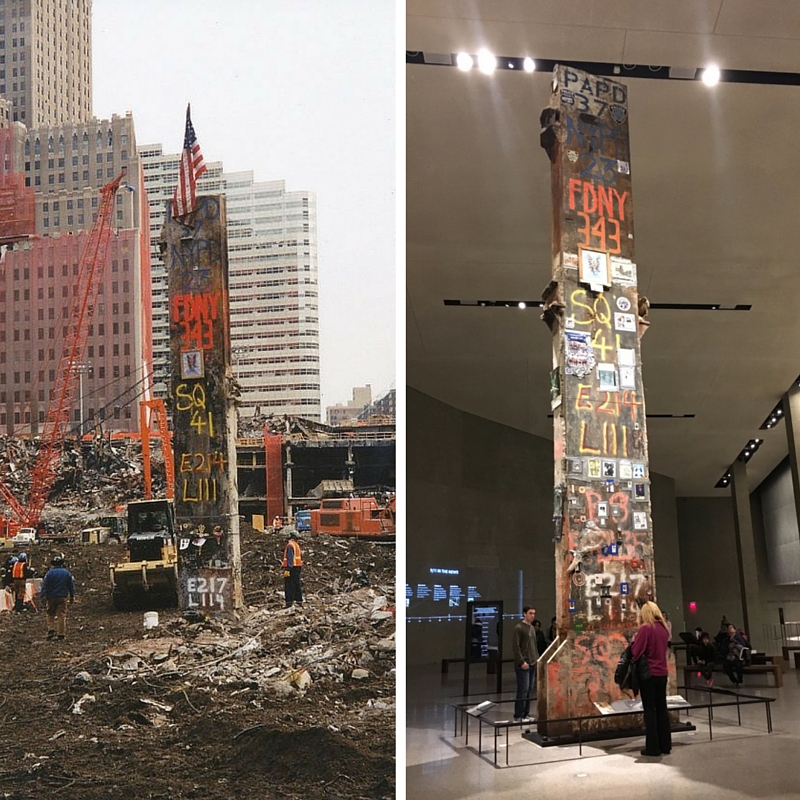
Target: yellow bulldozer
[[149, 577]]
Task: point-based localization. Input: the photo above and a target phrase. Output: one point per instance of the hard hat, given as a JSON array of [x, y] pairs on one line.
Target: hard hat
[[14, 560], [58, 559], [23, 556]]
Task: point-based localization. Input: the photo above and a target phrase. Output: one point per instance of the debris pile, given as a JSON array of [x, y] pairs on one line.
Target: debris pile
[[279, 703], [92, 477]]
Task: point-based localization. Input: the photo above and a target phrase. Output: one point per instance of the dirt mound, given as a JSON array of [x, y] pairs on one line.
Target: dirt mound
[[281, 703]]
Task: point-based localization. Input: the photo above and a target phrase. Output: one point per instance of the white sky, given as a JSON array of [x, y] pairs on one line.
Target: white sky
[[300, 90]]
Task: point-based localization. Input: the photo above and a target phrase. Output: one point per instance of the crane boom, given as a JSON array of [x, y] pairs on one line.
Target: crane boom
[[158, 410], [90, 273]]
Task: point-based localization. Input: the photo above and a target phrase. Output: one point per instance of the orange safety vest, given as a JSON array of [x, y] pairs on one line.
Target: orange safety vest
[[298, 556], [18, 570]]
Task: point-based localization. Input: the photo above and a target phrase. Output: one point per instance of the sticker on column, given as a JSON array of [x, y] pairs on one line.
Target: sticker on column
[[609, 469], [575, 466], [578, 353], [613, 549], [627, 377], [640, 491], [602, 509], [625, 470], [623, 271], [593, 468], [626, 356], [572, 608], [640, 520], [638, 470], [623, 605], [624, 588], [623, 304], [571, 260], [569, 322], [625, 322]]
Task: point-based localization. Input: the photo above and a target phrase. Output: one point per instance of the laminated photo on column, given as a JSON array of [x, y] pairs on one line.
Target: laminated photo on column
[[607, 378]]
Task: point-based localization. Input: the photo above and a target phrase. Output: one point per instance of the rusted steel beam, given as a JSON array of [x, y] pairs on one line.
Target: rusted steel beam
[[203, 397], [602, 523]]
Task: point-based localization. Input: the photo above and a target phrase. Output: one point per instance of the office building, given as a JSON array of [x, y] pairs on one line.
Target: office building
[[344, 412], [274, 301], [46, 60]]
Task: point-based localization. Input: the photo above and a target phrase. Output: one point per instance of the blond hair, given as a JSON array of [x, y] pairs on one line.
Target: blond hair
[[650, 612]]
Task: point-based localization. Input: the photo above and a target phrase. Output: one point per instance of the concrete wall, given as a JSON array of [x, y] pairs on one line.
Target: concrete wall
[[772, 596], [480, 500], [708, 561]]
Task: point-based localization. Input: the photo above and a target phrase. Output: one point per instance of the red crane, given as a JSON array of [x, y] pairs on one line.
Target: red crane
[[90, 273]]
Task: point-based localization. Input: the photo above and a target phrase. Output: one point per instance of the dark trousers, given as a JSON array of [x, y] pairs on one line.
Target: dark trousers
[[19, 586], [656, 717], [525, 679], [291, 586], [734, 669]]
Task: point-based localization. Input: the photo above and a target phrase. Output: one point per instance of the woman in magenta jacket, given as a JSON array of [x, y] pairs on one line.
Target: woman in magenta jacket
[[651, 643]]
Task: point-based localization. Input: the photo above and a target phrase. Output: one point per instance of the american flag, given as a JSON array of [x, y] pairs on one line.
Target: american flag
[[192, 167]]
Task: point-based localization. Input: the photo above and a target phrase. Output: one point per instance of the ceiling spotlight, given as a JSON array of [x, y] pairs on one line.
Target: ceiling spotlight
[[521, 304], [511, 65], [486, 62], [779, 411], [529, 65], [464, 62], [711, 75]]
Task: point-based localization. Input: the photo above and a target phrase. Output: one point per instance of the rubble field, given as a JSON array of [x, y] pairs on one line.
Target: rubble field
[[281, 703]]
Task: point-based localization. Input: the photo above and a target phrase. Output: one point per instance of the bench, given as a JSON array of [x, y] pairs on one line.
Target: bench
[[787, 648], [752, 669]]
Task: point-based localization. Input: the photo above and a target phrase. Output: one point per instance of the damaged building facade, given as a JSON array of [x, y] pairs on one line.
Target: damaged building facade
[[56, 172]]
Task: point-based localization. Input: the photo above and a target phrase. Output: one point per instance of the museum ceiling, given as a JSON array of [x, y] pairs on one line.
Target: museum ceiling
[[716, 189]]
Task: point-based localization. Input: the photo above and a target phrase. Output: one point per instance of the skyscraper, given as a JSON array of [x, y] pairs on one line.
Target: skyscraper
[[46, 60], [274, 300]]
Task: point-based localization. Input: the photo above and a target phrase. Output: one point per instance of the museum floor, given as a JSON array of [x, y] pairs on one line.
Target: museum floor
[[740, 762]]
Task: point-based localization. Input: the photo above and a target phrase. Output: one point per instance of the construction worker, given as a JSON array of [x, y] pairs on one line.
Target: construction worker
[[7, 567], [277, 524], [20, 573], [292, 564], [58, 587]]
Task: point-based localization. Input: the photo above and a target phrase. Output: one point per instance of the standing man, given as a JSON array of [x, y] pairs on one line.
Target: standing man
[[292, 564], [277, 524], [525, 657], [57, 588], [20, 572]]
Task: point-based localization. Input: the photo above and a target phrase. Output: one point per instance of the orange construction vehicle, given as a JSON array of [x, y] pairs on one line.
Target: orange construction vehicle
[[355, 516]]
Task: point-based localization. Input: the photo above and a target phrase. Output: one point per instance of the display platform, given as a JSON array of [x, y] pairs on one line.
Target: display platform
[[495, 717]]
